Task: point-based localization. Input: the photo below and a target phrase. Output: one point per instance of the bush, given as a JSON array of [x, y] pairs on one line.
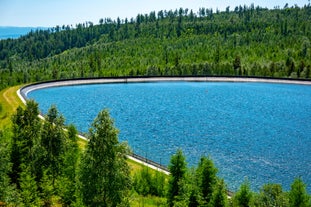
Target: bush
[[148, 183]]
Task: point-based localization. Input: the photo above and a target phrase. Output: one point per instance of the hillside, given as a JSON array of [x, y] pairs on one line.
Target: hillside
[[42, 165], [245, 41]]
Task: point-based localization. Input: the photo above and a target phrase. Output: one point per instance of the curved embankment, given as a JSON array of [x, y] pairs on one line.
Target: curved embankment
[[22, 93], [25, 90]]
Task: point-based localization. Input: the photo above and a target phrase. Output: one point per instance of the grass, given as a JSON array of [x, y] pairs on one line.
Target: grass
[[82, 143], [147, 201], [9, 101], [135, 167]]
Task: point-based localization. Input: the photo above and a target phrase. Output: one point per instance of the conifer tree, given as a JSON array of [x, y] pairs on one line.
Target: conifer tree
[[206, 178], [26, 133], [298, 195], [67, 180], [177, 168], [52, 142], [7, 190], [243, 197], [219, 197], [272, 195], [29, 188]]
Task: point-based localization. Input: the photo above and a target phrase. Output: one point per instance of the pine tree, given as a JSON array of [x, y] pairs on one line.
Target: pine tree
[[177, 168], [29, 189], [193, 199], [243, 197], [52, 142], [104, 175], [47, 187], [272, 195], [67, 180], [219, 197], [6, 189], [206, 178], [26, 133], [298, 195]]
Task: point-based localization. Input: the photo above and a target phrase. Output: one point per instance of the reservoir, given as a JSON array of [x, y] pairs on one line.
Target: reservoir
[[255, 131]]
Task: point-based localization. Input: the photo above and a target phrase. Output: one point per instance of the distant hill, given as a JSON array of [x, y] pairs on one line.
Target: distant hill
[[15, 32], [246, 41]]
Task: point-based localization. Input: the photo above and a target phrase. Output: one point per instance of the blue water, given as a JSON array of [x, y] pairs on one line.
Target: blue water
[[16, 32], [257, 131]]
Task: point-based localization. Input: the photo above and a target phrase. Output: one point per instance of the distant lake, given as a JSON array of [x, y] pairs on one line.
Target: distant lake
[[16, 32], [256, 130]]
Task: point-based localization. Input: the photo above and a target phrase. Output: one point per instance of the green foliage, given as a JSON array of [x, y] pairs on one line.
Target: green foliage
[[29, 189], [7, 191], [177, 168], [47, 187], [193, 199], [219, 197], [104, 171], [67, 181], [147, 201], [271, 195], [143, 182], [298, 195], [237, 65], [41, 160], [197, 187], [159, 183], [26, 130], [247, 39], [206, 178], [147, 183], [52, 143], [243, 198]]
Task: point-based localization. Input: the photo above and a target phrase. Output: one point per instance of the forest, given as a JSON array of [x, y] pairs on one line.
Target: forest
[[44, 165], [241, 41]]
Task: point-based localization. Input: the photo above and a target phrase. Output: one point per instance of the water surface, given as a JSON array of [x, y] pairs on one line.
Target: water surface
[[257, 131]]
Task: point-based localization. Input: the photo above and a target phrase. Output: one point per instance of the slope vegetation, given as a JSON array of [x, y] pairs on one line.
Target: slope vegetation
[[245, 41]]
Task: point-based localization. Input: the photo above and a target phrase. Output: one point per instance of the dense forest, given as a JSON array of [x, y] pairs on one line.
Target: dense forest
[[43, 165], [241, 41]]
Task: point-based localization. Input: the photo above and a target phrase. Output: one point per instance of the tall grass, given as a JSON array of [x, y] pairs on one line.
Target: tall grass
[[9, 102]]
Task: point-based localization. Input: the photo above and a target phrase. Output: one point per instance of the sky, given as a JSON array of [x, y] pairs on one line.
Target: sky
[[49, 13]]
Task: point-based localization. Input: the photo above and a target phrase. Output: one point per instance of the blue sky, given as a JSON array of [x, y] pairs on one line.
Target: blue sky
[[50, 13]]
